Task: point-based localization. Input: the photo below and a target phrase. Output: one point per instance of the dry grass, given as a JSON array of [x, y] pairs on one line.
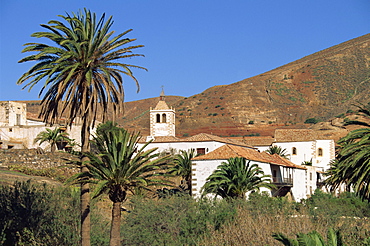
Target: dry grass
[[256, 228]]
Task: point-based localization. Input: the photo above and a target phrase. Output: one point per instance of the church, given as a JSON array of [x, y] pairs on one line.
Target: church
[[289, 176]]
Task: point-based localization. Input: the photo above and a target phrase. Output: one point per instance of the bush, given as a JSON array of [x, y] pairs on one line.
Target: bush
[[311, 121], [173, 221], [33, 214]]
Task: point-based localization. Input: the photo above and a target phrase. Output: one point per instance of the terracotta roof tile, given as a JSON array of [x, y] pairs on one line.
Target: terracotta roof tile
[[204, 137], [229, 151], [295, 135], [259, 141], [160, 139]]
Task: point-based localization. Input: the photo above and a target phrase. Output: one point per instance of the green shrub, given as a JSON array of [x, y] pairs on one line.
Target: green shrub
[[174, 221], [33, 214], [342, 115], [311, 121]]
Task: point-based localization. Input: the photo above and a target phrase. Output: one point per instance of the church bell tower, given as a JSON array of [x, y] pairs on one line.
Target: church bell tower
[[162, 119]]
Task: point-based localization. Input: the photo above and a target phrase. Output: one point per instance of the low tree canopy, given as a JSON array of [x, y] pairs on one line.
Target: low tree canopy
[[118, 167], [277, 150], [182, 166], [351, 168], [234, 178], [53, 137]]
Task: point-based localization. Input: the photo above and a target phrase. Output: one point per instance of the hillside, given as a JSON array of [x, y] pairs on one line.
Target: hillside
[[321, 86]]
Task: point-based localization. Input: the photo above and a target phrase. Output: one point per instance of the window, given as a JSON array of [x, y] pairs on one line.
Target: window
[[164, 118], [274, 173], [10, 129], [319, 152], [18, 119], [201, 151], [158, 118], [294, 151], [310, 176]]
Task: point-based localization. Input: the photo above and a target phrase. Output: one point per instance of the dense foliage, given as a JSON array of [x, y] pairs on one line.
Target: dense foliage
[[234, 178], [351, 168], [41, 215]]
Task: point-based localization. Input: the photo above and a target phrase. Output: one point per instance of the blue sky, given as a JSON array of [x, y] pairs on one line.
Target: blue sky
[[191, 45]]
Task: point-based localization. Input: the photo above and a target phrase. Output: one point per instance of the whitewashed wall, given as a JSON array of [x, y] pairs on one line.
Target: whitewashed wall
[[299, 184], [328, 147], [305, 151]]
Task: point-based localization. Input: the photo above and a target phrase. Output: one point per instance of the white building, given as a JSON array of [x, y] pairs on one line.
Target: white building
[[286, 176], [289, 176], [18, 129]]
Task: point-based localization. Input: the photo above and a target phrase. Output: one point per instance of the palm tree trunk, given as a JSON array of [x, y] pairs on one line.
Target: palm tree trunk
[[85, 190], [115, 236]]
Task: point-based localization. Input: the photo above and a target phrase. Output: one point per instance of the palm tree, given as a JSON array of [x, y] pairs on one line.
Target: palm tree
[[363, 111], [182, 166], [83, 77], [234, 178], [120, 167], [277, 150], [311, 239], [53, 137], [352, 164]]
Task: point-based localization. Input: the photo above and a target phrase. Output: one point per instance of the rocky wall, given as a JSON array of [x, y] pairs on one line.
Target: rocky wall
[[33, 158]]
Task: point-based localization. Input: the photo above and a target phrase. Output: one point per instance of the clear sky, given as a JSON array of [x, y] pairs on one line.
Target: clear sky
[[191, 45]]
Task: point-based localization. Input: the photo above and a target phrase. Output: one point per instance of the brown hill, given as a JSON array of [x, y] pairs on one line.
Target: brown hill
[[321, 86]]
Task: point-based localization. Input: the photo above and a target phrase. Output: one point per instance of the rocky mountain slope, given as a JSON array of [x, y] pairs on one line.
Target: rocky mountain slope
[[320, 86]]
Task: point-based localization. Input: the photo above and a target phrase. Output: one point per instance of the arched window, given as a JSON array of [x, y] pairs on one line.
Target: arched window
[[164, 118], [158, 118], [319, 152], [294, 151]]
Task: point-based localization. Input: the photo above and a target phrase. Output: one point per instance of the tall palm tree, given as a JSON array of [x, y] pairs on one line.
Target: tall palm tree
[[82, 71], [53, 137], [277, 150], [182, 166], [120, 167], [234, 178], [364, 111], [352, 165]]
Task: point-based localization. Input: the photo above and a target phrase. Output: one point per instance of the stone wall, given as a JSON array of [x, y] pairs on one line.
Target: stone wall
[[32, 158]]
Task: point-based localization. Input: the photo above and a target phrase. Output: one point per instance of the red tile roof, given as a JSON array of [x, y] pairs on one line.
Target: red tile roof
[[230, 151], [205, 137], [259, 141]]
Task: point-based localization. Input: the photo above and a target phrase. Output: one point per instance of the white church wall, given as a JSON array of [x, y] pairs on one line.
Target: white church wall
[[304, 151], [299, 184], [327, 154]]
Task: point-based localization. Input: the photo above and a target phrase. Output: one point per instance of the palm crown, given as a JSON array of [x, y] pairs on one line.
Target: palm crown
[[234, 178], [81, 71]]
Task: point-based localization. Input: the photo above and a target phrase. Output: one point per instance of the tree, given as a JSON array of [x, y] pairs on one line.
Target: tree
[[82, 73], [182, 166], [311, 239], [277, 150], [351, 167], [120, 167], [234, 178], [53, 137], [363, 111]]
